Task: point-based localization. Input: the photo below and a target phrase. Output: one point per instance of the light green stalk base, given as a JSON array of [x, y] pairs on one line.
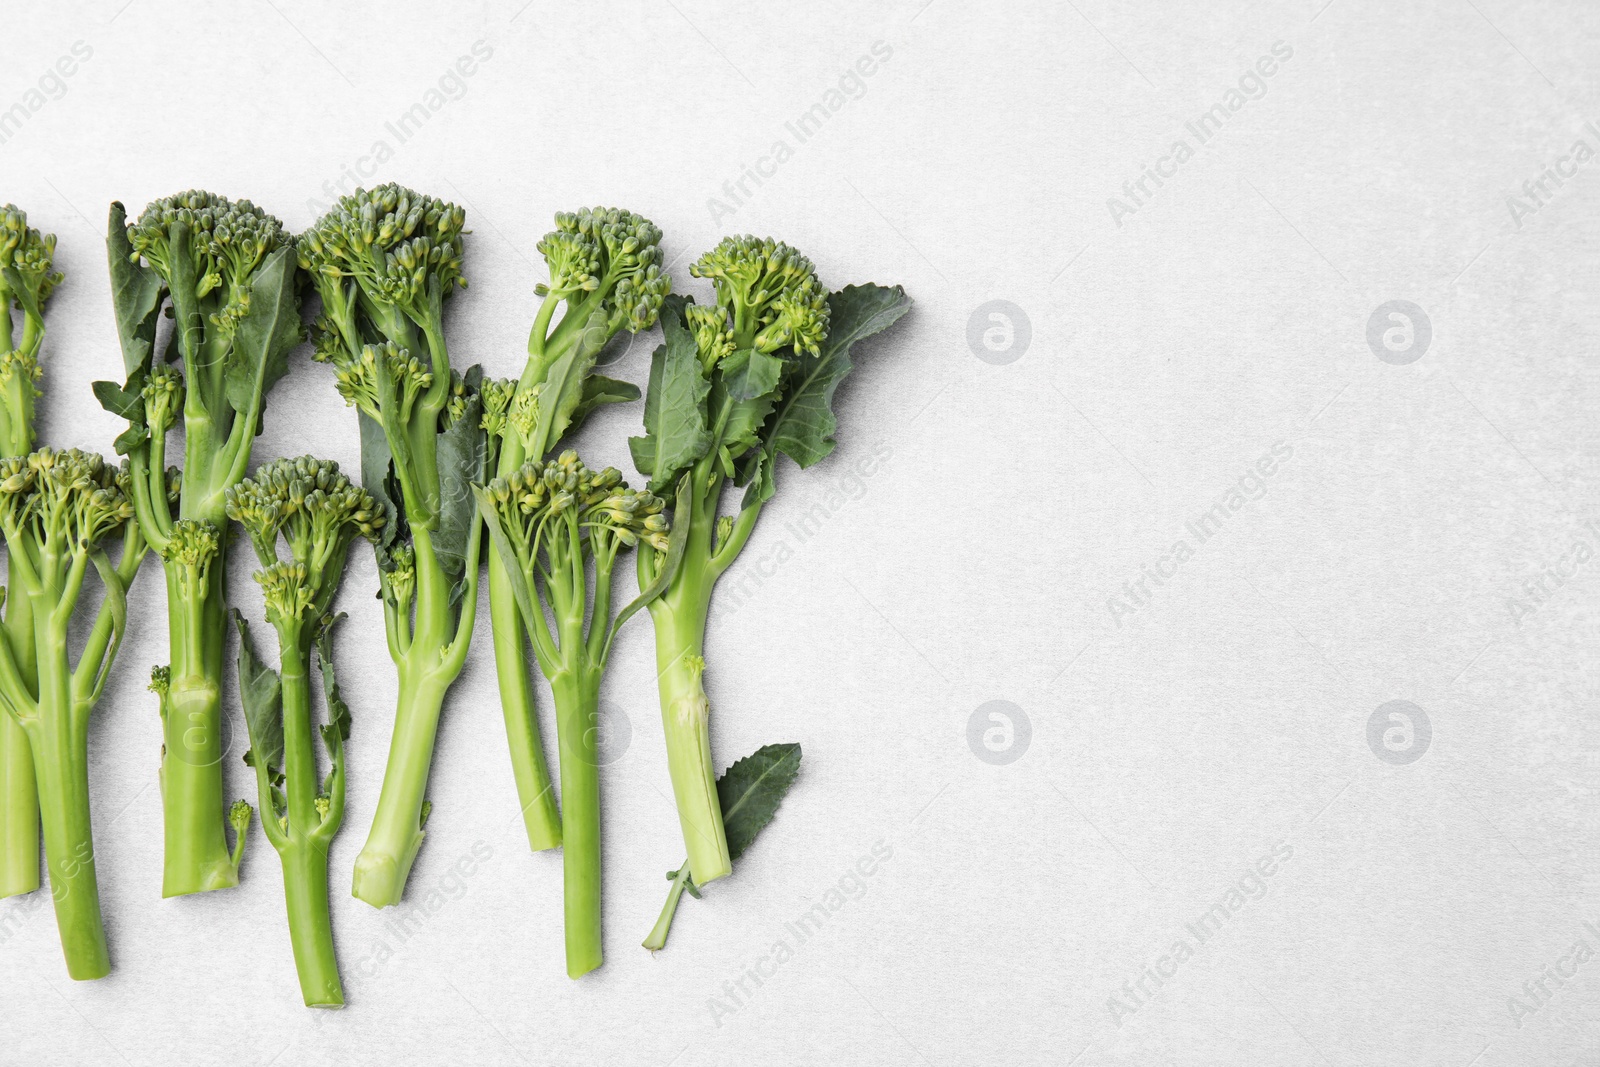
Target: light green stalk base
[[19, 793], [658, 933], [19, 812], [577, 702], [680, 622], [305, 884], [61, 765], [194, 813], [535, 792], [385, 860]]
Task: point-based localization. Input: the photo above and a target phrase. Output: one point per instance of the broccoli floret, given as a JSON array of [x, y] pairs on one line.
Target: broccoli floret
[[315, 508], [209, 245], [769, 292]]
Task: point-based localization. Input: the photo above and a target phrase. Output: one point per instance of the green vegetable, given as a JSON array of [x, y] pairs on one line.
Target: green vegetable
[[55, 510], [26, 282], [317, 512], [557, 526], [748, 793], [225, 270], [605, 273], [735, 384], [384, 261]]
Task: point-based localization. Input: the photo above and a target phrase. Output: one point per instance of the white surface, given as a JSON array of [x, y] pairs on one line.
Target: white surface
[[1224, 717]]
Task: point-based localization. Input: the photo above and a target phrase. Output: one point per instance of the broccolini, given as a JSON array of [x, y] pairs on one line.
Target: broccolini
[[55, 510], [605, 276], [314, 509], [558, 526], [384, 261], [226, 272], [736, 383], [27, 278]]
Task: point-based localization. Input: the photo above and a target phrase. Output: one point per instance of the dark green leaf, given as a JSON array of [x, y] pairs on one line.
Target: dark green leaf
[[135, 295], [756, 476], [338, 711], [675, 424], [460, 456], [261, 693], [377, 477], [749, 374], [599, 390], [269, 331], [563, 388], [803, 425], [752, 789], [749, 793], [749, 382], [131, 438], [643, 449], [124, 403], [336, 731]]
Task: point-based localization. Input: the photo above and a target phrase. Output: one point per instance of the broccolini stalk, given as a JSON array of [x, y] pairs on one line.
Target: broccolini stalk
[[605, 273], [556, 525], [55, 510], [384, 261], [317, 512], [736, 383], [226, 271], [26, 282]]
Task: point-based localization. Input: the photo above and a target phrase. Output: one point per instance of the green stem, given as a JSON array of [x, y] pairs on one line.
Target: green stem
[[59, 740], [193, 810], [19, 397], [686, 721], [303, 848], [300, 779], [305, 885], [385, 860], [577, 700], [528, 765], [429, 666], [19, 797], [658, 934], [19, 811]]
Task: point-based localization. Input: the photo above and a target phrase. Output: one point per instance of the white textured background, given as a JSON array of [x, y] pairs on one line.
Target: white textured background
[[1171, 746]]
